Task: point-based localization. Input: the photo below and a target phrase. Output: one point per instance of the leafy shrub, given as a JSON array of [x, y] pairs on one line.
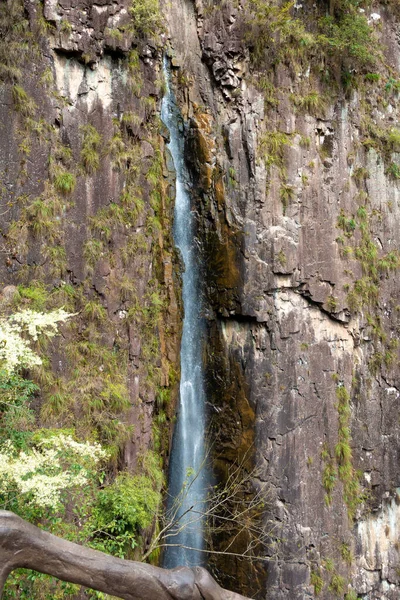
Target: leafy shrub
[[16, 417], [123, 509], [146, 17], [350, 36]]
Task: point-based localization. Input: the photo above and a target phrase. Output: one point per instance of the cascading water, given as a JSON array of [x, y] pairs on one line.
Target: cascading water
[[187, 475]]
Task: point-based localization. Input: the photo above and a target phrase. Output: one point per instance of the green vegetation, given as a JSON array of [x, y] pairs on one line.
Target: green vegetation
[[16, 41], [90, 151], [126, 507], [65, 182], [316, 581], [353, 495], [337, 584], [393, 171], [312, 103], [80, 387], [343, 38], [36, 293], [272, 147], [65, 27], [146, 18], [286, 194], [364, 294], [281, 256], [329, 477], [22, 102], [17, 418], [332, 304], [346, 553]]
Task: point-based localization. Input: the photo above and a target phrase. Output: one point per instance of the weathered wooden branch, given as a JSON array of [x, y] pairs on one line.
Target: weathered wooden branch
[[24, 545]]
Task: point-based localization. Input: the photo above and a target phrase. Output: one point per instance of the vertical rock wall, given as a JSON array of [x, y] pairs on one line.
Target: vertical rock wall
[[86, 217], [302, 292]]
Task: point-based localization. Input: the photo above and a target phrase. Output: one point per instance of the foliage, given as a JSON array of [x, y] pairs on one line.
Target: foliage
[[337, 584], [273, 31], [22, 102], [393, 171], [146, 18], [91, 143], [16, 417], [344, 38], [312, 102], [15, 351], [36, 293], [351, 482], [126, 507], [40, 475], [351, 595], [316, 581], [16, 43], [346, 553], [272, 148], [349, 36], [65, 182]]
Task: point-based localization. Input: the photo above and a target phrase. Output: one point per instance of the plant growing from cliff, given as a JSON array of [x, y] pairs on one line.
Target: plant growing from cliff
[[92, 251], [274, 33], [286, 193], [64, 182], [316, 581], [65, 27], [282, 258], [329, 477], [22, 102], [346, 553], [332, 303], [94, 311], [337, 584], [365, 291], [312, 103], [16, 41], [353, 495], [90, 151], [393, 171], [350, 32], [146, 18], [272, 147]]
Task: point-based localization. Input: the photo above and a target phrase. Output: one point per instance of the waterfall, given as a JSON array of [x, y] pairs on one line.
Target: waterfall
[[187, 476]]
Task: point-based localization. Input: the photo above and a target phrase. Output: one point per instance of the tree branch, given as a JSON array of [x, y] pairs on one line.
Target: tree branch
[[24, 545]]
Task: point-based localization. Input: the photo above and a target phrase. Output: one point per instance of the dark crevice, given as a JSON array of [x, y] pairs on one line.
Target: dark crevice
[[240, 318]]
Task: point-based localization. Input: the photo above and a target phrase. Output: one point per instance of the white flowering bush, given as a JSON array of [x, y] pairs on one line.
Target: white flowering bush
[[41, 474], [15, 349]]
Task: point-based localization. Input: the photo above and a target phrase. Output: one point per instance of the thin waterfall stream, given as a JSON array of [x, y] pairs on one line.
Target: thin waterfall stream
[[187, 475]]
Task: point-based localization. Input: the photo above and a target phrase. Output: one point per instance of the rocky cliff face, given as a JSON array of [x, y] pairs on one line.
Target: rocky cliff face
[[87, 216], [298, 219], [296, 189]]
